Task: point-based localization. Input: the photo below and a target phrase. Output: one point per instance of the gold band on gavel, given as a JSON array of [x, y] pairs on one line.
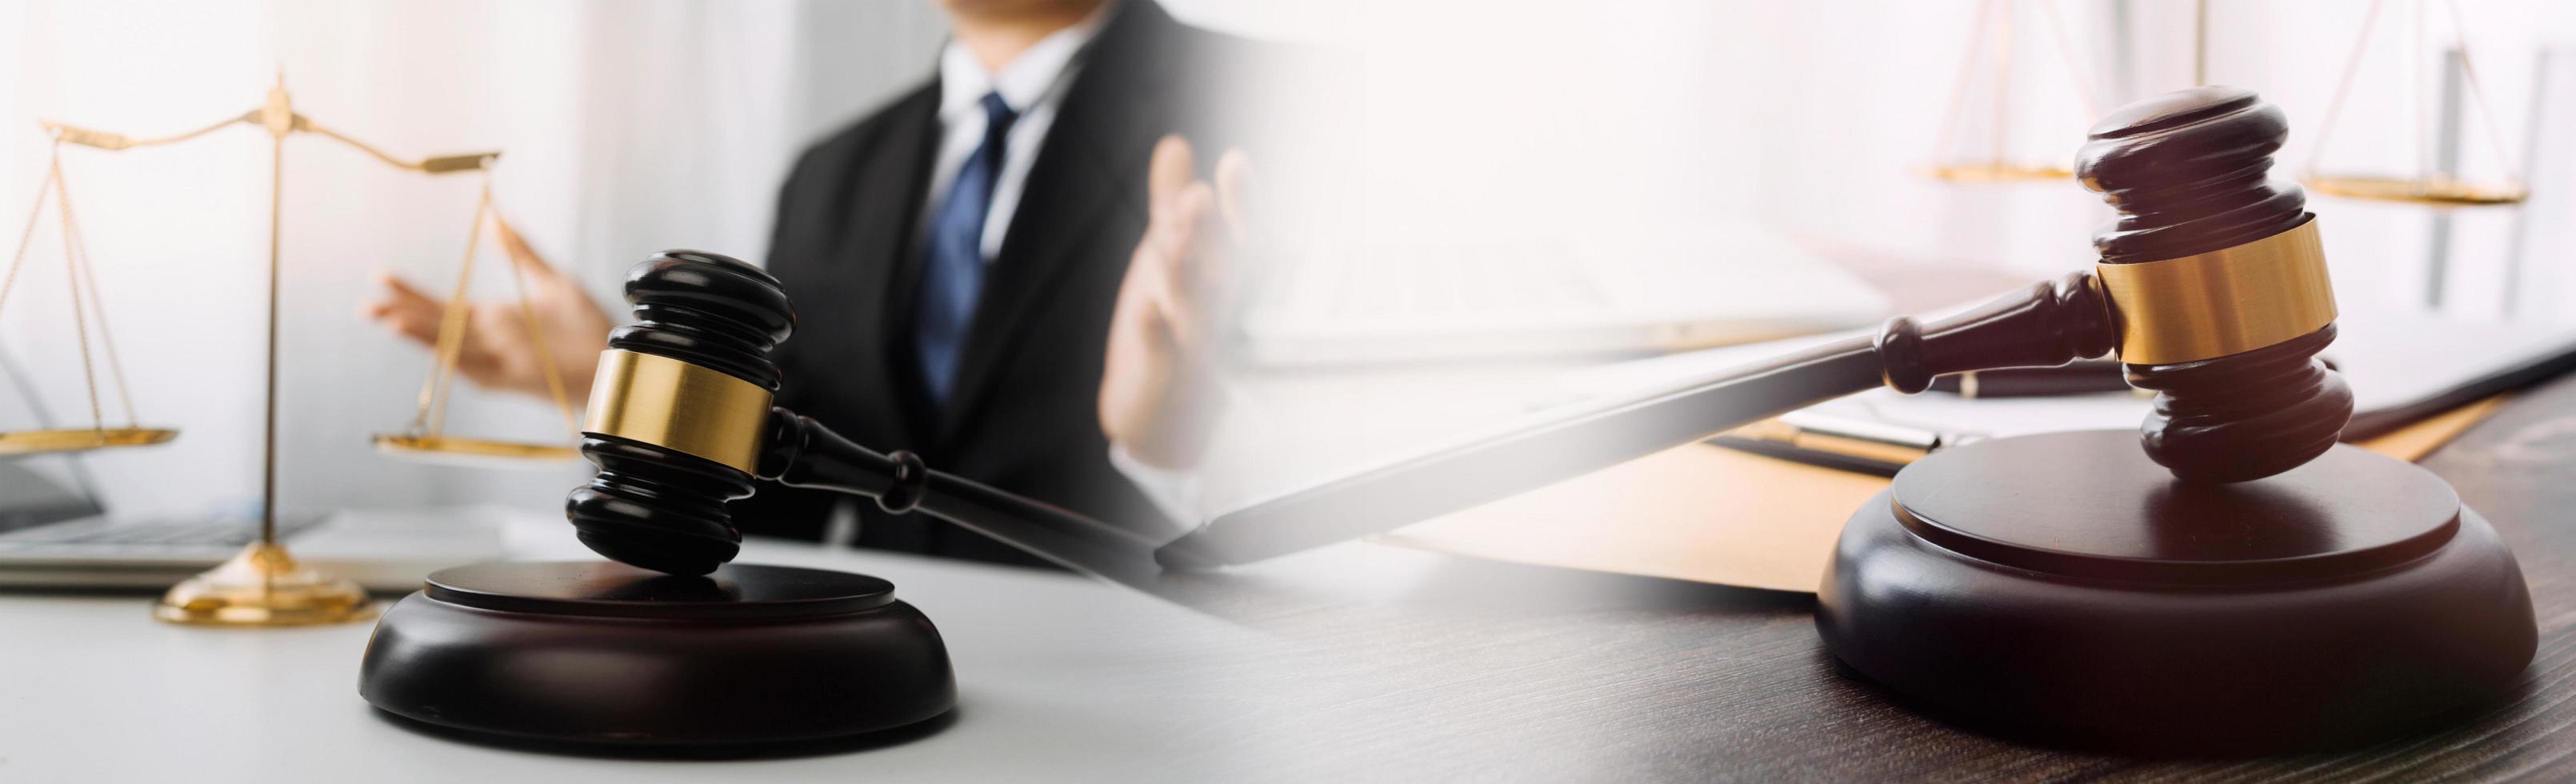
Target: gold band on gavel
[[669, 403], [2223, 302]]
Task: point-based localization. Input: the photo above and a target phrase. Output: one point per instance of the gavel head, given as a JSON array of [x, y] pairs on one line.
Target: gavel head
[[2217, 283], [678, 412]]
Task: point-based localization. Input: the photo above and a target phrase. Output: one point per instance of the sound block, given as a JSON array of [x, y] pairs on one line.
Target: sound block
[[2063, 586], [602, 653]]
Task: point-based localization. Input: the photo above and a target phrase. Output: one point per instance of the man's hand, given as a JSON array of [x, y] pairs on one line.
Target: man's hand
[[499, 352], [1156, 397]]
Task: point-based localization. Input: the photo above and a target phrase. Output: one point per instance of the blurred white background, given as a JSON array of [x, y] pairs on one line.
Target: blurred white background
[[634, 126], [626, 128]]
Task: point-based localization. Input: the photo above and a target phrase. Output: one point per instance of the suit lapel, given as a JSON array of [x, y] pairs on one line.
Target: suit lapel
[[1082, 173], [883, 213]]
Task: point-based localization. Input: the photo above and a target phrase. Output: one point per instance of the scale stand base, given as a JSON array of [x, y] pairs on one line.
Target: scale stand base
[[2062, 587], [262, 587]]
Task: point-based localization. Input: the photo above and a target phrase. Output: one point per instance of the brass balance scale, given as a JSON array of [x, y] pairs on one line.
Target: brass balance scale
[[2429, 185], [1995, 23], [263, 585]]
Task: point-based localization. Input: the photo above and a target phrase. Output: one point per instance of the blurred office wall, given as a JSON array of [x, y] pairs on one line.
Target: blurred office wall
[[627, 128], [635, 126]]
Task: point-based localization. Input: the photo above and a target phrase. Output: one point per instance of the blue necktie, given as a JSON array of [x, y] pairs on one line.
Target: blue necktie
[[952, 273]]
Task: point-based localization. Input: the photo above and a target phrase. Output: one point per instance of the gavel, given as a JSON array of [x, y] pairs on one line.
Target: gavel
[[2216, 285], [2211, 287], [2257, 587], [680, 422]]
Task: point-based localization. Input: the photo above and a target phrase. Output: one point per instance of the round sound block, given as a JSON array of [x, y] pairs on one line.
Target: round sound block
[[2064, 586], [604, 653]]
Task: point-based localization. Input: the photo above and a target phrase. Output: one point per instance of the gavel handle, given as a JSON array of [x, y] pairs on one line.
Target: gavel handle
[[801, 452], [2045, 324]]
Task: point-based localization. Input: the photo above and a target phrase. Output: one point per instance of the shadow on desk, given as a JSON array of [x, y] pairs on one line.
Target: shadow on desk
[[1478, 584], [807, 748], [1280, 595]]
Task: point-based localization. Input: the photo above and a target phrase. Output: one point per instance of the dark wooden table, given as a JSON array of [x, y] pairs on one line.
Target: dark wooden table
[[1408, 664]]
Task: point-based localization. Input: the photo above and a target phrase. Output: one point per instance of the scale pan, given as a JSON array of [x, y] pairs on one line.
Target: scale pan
[[474, 451], [2436, 191], [31, 442], [1999, 172]]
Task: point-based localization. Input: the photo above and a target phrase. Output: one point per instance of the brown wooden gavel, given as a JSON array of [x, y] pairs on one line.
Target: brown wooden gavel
[[680, 422], [2212, 287], [2218, 284]]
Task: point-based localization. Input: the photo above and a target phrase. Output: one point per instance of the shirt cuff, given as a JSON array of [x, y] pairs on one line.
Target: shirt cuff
[[1174, 493]]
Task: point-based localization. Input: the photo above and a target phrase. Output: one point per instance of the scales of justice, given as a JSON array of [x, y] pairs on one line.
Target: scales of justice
[[1989, 57], [263, 585]]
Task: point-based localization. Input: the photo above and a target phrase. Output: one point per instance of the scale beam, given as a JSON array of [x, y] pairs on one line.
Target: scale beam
[[440, 164]]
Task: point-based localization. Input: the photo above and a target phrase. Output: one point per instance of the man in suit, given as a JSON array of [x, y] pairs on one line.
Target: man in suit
[[998, 271]]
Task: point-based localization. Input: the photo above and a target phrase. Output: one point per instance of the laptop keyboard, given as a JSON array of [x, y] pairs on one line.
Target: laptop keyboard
[[99, 534]]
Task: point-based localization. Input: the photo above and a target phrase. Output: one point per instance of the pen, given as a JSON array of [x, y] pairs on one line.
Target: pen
[[1875, 447], [1865, 446], [2082, 376]]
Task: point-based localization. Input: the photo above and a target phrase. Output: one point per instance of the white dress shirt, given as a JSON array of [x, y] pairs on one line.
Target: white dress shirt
[[1034, 84]]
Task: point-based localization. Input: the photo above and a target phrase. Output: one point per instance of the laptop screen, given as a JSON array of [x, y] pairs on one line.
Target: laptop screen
[[29, 499]]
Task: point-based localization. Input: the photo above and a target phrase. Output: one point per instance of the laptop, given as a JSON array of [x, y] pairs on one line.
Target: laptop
[[56, 535]]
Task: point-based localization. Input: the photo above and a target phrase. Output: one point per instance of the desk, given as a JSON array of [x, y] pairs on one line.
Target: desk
[[1492, 671], [92, 689], [1355, 661]]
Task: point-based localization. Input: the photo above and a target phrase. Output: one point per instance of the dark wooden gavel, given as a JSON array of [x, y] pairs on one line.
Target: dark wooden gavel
[[2217, 283], [2211, 287], [680, 422]]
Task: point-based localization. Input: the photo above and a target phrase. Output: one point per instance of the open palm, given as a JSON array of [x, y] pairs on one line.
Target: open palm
[[499, 350]]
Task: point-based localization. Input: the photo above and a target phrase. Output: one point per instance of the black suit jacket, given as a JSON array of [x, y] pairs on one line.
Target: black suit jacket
[[1023, 416]]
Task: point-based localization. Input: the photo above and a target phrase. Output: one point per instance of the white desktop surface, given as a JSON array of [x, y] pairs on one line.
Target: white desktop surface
[[1059, 678]]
